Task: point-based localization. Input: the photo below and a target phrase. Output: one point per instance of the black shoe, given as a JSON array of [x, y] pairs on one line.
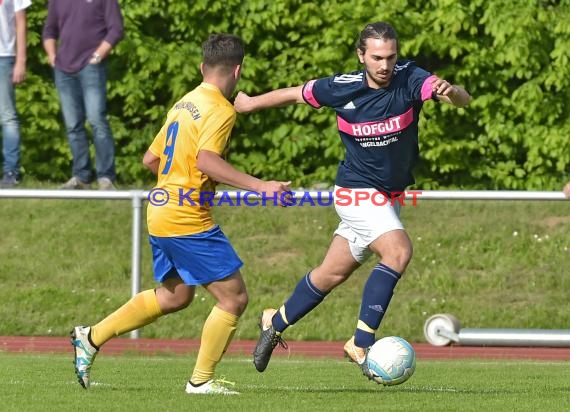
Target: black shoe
[[268, 340]]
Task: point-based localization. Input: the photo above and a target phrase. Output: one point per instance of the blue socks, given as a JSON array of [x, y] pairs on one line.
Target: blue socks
[[376, 297], [304, 299]]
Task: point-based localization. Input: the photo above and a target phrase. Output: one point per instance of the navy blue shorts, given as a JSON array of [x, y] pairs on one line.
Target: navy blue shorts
[[198, 259]]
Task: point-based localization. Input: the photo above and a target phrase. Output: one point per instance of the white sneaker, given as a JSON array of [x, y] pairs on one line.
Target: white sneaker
[[75, 184], [211, 387], [106, 184], [85, 354]]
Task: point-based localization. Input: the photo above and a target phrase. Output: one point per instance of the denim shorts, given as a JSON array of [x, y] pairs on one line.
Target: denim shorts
[[198, 259]]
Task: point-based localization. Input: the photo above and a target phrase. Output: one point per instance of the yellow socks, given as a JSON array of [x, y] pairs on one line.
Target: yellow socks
[[141, 310], [217, 334]]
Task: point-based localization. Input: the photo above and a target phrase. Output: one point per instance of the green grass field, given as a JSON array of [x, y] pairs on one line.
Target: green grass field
[[492, 264], [134, 383]]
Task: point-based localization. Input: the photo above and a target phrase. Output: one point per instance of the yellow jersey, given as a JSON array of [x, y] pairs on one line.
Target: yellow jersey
[[202, 120]]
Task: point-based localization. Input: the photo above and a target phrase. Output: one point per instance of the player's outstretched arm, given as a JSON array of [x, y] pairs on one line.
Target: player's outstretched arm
[[276, 98], [450, 93], [212, 164]]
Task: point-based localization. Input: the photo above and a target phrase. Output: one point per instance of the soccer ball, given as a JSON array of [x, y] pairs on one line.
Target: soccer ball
[[391, 360]]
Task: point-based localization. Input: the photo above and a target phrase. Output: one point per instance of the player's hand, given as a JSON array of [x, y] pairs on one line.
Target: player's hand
[[281, 191], [19, 73], [442, 87], [243, 103], [566, 190]]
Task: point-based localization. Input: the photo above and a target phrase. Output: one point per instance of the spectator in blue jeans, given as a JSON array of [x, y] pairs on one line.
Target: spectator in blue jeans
[[12, 71], [77, 37]]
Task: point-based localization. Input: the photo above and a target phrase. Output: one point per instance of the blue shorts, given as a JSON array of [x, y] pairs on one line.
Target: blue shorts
[[198, 259]]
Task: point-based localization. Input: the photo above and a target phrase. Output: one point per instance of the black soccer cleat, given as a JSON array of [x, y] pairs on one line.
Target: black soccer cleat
[[268, 340]]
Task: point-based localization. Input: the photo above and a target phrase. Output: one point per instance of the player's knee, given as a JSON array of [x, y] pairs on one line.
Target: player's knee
[[406, 256], [183, 302], [173, 302], [235, 304], [338, 277], [241, 302], [404, 259], [398, 259]]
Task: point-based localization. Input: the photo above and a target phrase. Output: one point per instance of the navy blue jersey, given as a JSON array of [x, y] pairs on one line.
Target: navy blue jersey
[[379, 127]]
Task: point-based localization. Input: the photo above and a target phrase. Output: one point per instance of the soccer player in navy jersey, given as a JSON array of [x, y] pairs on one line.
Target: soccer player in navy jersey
[[377, 112]]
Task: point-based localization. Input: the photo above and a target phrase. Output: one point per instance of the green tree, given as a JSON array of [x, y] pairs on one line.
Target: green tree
[[511, 55]]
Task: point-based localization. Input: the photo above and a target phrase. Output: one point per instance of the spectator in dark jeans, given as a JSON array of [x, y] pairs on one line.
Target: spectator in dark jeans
[[12, 71], [77, 37]]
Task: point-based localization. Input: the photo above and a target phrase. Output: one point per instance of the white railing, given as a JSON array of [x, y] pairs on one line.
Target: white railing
[[138, 196]]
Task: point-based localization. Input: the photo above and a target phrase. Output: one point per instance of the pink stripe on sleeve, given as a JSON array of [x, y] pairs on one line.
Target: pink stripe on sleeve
[[427, 90], [308, 94]]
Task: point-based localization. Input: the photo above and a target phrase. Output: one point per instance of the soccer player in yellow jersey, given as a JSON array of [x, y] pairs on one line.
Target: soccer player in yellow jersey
[[188, 248]]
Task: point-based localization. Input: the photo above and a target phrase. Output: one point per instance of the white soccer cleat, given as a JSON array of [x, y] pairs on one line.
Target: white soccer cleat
[[84, 352], [353, 352], [211, 387]]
